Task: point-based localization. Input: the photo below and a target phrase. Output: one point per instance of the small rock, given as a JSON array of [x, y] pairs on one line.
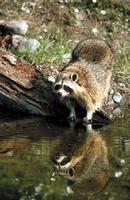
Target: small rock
[[117, 111], [51, 79], [53, 179], [45, 30], [30, 45], [11, 59], [10, 153], [61, 1], [118, 174], [76, 10], [117, 97], [69, 190], [122, 85], [94, 30], [111, 91], [103, 12], [27, 7], [111, 116], [122, 161], [39, 67], [66, 57], [62, 6], [40, 37], [2, 22], [17, 40], [19, 27], [94, 1]]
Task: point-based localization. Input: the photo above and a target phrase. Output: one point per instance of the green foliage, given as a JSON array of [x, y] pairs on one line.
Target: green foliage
[[50, 52], [122, 59]]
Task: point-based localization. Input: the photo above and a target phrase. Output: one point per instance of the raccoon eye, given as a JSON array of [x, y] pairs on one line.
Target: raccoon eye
[[57, 87], [67, 88]]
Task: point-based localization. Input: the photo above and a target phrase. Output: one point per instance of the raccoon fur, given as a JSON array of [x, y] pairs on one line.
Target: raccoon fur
[[87, 77]]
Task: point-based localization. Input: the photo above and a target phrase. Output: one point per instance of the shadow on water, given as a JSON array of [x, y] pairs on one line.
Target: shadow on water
[[40, 159]]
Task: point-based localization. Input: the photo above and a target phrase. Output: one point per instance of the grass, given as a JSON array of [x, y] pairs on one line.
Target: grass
[[49, 53], [114, 21], [122, 59]]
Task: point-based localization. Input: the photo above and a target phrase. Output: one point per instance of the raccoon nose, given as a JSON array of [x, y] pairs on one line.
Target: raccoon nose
[[59, 94]]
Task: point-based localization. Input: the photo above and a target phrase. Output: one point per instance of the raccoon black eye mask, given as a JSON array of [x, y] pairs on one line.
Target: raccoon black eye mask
[[57, 87], [65, 87]]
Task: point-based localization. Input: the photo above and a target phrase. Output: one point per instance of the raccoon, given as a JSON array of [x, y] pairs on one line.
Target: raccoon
[[86, 79], [85, 163]]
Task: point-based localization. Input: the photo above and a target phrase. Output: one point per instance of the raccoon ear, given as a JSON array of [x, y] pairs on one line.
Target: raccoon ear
[[74, 77]]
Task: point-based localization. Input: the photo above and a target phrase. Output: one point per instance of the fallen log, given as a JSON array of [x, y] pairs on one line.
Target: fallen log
[[24, 88]]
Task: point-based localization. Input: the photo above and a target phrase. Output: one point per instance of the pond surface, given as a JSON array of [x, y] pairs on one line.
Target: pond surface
[[44, 160]]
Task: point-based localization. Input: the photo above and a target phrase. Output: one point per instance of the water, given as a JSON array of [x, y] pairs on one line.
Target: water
[[44, 160]]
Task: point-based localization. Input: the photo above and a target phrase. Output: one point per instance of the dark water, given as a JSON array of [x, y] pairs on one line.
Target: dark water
[[43, 160]]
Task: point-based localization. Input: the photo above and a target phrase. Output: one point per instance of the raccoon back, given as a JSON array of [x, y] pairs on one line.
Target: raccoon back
[[92, 50]]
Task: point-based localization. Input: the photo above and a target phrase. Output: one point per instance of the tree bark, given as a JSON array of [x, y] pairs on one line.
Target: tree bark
[[24, 88]]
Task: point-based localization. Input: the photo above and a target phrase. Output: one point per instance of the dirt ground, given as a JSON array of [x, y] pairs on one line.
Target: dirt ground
[[76, 18]]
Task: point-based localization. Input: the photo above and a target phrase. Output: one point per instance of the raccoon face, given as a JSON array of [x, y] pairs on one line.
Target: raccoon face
[[65, 84]]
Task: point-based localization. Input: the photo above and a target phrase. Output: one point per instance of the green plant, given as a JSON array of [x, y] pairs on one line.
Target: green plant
[[50, 52]]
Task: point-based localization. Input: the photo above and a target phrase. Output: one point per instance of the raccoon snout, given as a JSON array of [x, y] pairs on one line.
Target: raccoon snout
[[59, 94]]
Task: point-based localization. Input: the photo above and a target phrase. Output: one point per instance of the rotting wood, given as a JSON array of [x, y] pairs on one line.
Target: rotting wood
[[23, 88]]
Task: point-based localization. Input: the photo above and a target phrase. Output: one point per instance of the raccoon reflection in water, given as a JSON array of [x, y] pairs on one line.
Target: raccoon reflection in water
[[86, 79], [85, 164]]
